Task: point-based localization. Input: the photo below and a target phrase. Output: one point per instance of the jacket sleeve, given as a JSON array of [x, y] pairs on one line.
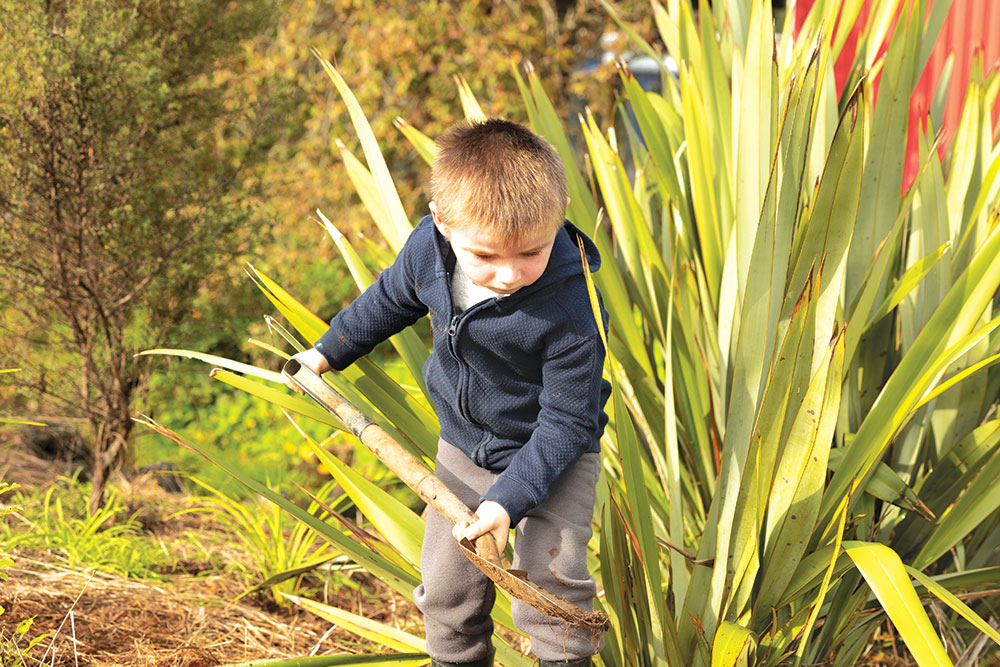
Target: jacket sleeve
[[571, 418], [387, 307]]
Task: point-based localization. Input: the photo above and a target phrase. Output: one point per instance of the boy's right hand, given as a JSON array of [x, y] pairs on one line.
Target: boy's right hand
[[311, 359], [491, 518]]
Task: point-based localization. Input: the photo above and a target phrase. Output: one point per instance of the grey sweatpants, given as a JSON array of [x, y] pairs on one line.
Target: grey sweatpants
[[551, 546]]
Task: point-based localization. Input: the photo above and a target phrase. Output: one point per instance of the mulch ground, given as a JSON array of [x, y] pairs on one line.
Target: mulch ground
[[189, 619], [98, 619]]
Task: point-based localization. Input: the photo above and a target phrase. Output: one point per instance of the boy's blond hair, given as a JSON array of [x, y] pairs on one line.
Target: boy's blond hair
[[498, 177]]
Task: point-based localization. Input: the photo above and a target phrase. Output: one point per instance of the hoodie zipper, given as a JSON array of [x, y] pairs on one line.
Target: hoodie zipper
[[463, 368]]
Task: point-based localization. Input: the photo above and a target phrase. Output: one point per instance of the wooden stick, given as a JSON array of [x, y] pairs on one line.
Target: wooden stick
[[396, 457]]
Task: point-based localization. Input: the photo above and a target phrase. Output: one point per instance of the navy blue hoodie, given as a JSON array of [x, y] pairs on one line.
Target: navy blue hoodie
[[516, 381]]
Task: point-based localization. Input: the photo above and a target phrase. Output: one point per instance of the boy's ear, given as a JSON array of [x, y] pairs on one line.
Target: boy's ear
[[437, 219]]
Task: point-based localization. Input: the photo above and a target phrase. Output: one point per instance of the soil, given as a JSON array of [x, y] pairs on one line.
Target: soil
[[190, 617]]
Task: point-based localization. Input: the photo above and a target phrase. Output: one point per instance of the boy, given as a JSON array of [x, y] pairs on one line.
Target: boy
[[515, 377]]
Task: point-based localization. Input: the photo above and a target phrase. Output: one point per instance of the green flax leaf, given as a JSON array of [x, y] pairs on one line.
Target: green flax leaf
[[380, 633], [884, 572]]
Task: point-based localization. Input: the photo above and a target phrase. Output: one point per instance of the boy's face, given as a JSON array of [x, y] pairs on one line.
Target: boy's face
[[496, 265]]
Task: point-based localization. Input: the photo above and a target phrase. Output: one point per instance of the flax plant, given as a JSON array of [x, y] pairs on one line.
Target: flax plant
[[804, 447]]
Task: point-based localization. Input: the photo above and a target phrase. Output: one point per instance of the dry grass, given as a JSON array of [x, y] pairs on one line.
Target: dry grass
[[188, 619]]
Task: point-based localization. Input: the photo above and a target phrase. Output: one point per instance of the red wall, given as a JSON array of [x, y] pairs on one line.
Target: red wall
[[972, 29]]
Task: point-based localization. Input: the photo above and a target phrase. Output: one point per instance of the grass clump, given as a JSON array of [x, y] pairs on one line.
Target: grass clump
[[109, 540], [15, 648], [285, 555]]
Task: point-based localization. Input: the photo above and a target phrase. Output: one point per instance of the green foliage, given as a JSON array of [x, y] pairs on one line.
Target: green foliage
[[232, 426], [789, 344], [242, 431], [125, 159], [284, 551], [14, 651], [108, 540], [764, 397], [5, 510], [9, 420], [401, 59], [10, 652]]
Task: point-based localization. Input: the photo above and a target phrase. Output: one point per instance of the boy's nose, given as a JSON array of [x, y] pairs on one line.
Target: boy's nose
[[506, 275]]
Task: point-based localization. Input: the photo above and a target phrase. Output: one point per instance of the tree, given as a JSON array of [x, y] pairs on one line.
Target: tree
[[125, 156]]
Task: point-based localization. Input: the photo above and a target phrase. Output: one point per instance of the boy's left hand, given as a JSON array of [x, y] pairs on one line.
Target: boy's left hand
[[491, 518]]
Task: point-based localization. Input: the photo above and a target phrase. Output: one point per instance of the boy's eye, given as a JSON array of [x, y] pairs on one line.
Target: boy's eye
[[482, 257]]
